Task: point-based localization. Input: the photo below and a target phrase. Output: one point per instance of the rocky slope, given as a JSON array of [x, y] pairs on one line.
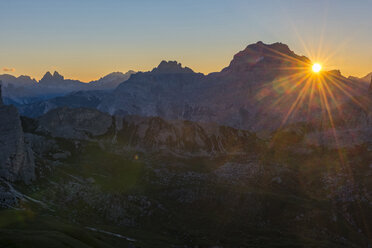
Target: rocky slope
[[167, 183], [145, 133]]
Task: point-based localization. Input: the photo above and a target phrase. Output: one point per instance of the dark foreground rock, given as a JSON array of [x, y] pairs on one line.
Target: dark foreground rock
[[16, 157]]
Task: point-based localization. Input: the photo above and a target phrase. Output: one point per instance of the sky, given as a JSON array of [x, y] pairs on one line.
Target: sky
[[87, 39]]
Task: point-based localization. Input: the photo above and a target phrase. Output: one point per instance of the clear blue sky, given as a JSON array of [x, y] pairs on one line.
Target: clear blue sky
[[87, 39]]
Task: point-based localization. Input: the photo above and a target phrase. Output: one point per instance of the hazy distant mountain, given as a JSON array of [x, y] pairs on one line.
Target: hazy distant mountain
[[19, 81], [24, 90], [111, 80], [367, 78], [18, 89], [57, 81], [86, 99]]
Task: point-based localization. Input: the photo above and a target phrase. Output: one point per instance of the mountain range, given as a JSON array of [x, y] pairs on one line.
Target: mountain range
[[264, 87], [264, 153], [23, 89]]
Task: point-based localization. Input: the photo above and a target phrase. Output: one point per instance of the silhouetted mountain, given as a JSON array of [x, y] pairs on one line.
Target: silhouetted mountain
[[24, 90], [56, 83], [264, 87], [48, 77], [259, 56], [171, 67]]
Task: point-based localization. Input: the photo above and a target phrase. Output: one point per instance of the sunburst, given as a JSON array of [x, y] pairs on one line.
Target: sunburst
[[310, 86], [317, 67]]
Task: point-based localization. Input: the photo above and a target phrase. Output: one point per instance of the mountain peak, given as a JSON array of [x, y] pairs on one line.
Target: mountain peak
[[261, 53], [49, 77], [171, 67], [56, 75], [277, 46]]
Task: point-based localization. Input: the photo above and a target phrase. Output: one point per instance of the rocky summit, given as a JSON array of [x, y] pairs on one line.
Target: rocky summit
[[171, 67]]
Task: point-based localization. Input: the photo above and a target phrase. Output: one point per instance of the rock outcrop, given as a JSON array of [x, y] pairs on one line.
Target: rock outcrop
[[146, 133], [154, 133], [16, 157], [79, 123]]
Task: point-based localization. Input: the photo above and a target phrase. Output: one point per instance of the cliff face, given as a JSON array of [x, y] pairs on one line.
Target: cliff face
[[151, 133], [79, 123], [145, 133], [16, 157]]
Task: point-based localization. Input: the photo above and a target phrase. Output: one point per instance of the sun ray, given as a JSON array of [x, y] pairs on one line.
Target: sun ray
[[347, 93], [310, 99], [300, 95], [294, 86]]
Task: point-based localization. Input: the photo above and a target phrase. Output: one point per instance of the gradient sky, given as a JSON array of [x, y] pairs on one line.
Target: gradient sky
[[88, 39]]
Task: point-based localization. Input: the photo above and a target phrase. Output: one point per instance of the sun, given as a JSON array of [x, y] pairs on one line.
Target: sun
[[316, 67]]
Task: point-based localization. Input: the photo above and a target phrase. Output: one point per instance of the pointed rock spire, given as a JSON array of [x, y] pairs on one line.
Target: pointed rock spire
[[57, 76], [48, 77]]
